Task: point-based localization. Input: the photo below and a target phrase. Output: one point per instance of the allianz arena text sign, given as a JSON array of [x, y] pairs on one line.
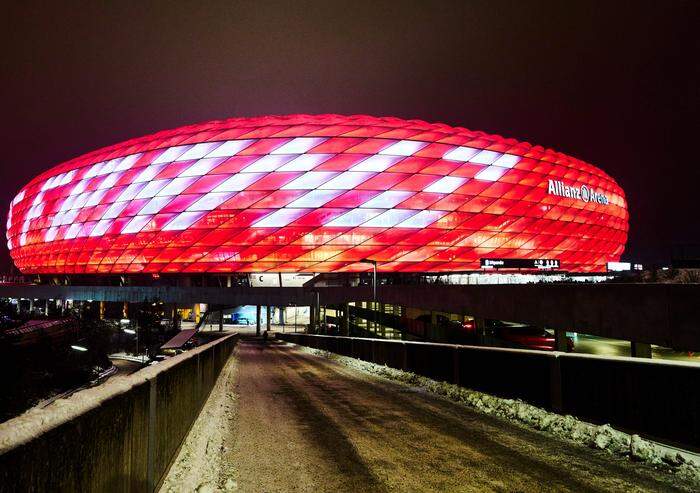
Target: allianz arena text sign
[[315, 193], [583, 192]]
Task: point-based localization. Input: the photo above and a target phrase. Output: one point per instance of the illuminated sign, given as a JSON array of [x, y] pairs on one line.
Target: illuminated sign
[[583, 193], [623, 266], [520, 263]]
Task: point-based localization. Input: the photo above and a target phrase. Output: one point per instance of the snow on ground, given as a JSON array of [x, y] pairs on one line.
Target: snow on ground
[[602, 437], [199, 465]]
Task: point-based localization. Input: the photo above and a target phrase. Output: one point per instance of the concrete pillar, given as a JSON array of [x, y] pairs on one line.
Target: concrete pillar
[[312, 316], [281, 314], [269, 317], [102, 310], [258, 321], [480, 328], [221, 321], [31, 305], [345, 328], [46, 308], [560, 342], [641, 350], [378, 316]]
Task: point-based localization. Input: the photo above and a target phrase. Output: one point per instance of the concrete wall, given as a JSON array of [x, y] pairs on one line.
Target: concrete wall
[[663, 314], [657, 399], [119, 437]]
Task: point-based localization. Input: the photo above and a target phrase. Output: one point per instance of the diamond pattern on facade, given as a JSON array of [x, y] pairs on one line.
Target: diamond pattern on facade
[[316, 194]]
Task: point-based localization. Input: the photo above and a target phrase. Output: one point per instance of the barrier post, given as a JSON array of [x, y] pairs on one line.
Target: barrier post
[[455, 365], [555, 393]]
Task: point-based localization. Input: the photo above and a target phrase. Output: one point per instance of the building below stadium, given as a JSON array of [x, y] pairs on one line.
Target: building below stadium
[[317, 194]]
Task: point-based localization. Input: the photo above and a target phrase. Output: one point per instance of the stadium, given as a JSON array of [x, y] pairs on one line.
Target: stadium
[[316, 193]]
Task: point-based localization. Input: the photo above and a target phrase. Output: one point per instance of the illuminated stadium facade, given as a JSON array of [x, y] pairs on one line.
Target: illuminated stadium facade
[[323, 193]]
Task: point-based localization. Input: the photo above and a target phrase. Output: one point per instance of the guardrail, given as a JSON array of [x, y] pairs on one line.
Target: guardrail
[[121, 436], [657, 399]]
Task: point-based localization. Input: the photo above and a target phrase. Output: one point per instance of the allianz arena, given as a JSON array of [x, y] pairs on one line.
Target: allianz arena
[[316, 193]]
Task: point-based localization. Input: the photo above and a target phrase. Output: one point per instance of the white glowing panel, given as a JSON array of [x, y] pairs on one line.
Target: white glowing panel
[[136, 224], [485, 157], [422, 220], [149, 173], [491, 173], [230, 148], [127, 162], [310, 180], [152, 188], [114, 210], [155, 205], [299, 145], [376, 163], [305, 162], [280, 218], [238, 182], [390, 218], [101, 227], [183, 221], [201, 167], [462, 154], [507, 161], [354, 218], [198, 151], [388, 199], [347, 180], [404, 148], [268, 163], [315, 198], [171, 154], [446, 184], [211, 201], [176, 186]]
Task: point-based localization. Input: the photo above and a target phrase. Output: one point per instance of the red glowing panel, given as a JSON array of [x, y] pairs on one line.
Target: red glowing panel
[[316, 194]]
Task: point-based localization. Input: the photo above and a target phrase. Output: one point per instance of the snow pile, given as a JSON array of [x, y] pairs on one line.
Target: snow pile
[[602, 437]]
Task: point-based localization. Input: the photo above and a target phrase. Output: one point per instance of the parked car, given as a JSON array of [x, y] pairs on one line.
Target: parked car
[[456, 331], [529, 337]]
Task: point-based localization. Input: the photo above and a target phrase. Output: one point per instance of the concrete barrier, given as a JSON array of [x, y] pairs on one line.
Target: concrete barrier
[[121, 436], [656, 399]]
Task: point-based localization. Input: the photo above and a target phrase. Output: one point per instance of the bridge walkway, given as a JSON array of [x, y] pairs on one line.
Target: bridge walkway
[[286, 420]]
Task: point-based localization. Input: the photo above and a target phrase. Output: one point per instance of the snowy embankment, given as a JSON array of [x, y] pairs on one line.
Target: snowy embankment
[[200, 464], [602, 437]]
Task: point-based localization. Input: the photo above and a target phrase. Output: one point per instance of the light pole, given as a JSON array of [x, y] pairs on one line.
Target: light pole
[[374, 276], [374, 287]]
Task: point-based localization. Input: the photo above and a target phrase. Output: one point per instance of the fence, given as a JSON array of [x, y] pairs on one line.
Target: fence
[[119, 437], [658, 399]]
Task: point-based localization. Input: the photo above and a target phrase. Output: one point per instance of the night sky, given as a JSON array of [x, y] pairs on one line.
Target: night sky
[[613, 83]]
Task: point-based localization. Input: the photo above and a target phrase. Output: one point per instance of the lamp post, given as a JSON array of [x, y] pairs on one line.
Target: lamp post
[[374, 276], [374, 287]]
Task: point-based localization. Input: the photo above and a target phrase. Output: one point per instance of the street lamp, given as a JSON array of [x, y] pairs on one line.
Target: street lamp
[[374, 276], [75, 347], [374, 287]]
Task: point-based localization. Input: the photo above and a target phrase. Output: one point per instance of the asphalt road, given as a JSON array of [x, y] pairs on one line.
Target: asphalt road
[[287, 421], [615, 347]]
